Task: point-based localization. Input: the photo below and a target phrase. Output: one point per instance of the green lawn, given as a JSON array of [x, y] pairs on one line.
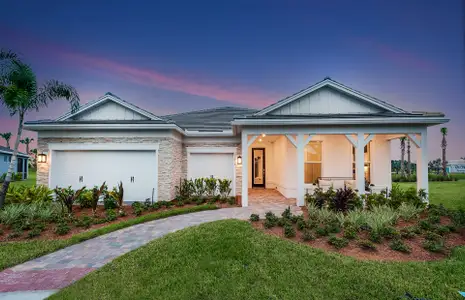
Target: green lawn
[[30, 181], [449, 193], [14, 253], [231, 260]]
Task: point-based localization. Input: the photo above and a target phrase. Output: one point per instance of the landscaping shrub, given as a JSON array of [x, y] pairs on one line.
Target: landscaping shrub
[[85, 222], [434, 246], [287, 213], [179, 203], [375, 237], [375, 199], [110, 215], [438, 210], [296, 218], [117, 194], [367, 245], [271, 217], [25, 194], [12, 213], [458, 218], [355, 218], [269, 224], [232, 200], [156, 205], [109, 202], [121, 213], [407, 232], [147, 204], [137, 208], [67, 197], [254, 218], [14, 234], [442, 230], [333, 227], [85, 199], [432, 236], [199, 186], [321, 231], [289, 231], [62, 229], [96, 193], [434, 219], [408, 211], [350, 233], [224, 187], [34, 233], [343, 200], [389, 232], [337, 242], [319, 198], [301, 224], [425, 225], [185, 189], [307, 235], [380, 217], [1, 231], [399, 245], [210, 186], [200, 201], [283, 221]]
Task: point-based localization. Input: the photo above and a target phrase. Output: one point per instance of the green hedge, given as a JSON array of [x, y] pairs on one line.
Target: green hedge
[[431, 177]]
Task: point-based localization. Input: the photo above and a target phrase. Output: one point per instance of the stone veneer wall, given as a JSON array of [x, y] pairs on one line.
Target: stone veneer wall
[[169, 159], [211, 144]]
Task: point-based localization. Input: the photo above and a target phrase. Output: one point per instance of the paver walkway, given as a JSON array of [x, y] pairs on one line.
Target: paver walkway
[[59, 269]]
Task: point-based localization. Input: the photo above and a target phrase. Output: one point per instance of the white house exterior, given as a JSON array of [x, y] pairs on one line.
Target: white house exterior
[[325, 133]]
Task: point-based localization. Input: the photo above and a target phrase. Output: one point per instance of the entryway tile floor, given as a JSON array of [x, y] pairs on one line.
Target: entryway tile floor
[[63, 267]]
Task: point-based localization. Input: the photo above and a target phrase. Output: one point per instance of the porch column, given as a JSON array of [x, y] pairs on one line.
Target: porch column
[[360, 163], [245, 173], [422, 163], [300, 170]]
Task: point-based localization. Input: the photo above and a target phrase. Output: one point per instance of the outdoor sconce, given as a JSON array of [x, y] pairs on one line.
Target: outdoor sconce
[[42, 158], [239, 160]]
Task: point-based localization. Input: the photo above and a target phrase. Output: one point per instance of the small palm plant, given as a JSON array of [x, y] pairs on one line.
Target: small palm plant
[[117, 194], [96, 193], [67, 197], [6, 136], [26, 141], [444, 149]]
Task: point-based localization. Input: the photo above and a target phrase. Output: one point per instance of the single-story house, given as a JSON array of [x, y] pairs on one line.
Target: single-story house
[[327, 133], [456, 166], [21, 162]]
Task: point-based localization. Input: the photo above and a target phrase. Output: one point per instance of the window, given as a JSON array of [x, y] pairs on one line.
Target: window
[[312, 159], [5, 159], [367, 165]]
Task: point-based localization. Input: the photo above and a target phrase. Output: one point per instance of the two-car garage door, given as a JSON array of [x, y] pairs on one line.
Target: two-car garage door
[[136, 169]]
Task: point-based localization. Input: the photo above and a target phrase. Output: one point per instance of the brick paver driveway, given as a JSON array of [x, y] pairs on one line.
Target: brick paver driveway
[[61, 268]]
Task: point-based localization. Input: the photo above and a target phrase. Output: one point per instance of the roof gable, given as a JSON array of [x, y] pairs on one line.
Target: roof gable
[[108, 107], [328, 97]]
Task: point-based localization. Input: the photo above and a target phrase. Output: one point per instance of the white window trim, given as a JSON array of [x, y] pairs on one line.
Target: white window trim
[[232, 150], [314, 161]]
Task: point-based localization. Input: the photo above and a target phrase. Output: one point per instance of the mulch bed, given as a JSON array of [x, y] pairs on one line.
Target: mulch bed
[[383, 252], [49, 232]]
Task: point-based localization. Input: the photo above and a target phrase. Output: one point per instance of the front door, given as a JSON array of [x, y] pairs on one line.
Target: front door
[[258, 167]]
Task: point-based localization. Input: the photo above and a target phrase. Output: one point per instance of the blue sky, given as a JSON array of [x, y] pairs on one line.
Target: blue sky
[[175, 56]]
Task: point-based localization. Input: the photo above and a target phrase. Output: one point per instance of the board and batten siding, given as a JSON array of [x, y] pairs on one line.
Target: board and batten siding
[[109, 110], [325, 101]]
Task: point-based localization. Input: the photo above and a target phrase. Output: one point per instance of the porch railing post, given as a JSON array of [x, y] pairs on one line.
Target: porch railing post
[[245, 173], [360, 163], [300, 170]]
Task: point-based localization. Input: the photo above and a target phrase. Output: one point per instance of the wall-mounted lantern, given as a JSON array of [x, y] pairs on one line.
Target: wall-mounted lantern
[[239, 160], [42, 158]]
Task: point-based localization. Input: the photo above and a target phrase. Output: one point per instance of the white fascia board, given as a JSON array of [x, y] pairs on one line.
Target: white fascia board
[[333, 85], [208, 133], [211, 150], [107, 98], [342, 121], [103, 146], [11, 153], [39, 127]]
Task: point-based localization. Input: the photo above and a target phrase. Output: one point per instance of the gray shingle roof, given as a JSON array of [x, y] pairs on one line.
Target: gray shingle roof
[[209, 119], [10, 151]]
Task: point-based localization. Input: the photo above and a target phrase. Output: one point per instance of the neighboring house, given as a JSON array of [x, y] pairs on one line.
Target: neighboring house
[[326, 130], [456, 166], [21, 162]]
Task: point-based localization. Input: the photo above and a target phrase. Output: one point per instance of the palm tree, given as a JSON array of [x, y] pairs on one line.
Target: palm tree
[[409, 162], [26, 141], [444, 148], [6, 136], [20, 93], [402, 155], [33, 160]]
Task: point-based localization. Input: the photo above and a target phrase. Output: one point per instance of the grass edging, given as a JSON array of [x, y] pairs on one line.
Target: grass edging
[[15, 253]]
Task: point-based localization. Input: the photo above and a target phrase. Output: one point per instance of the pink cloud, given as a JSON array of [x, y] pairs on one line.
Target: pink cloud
[[144, 76], [400, 57]]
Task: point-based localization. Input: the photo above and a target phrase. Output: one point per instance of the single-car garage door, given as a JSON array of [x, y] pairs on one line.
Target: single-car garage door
[[218, 165], [136, 169]]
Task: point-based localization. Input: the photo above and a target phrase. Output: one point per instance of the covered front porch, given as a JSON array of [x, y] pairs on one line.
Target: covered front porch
[[293, 161]]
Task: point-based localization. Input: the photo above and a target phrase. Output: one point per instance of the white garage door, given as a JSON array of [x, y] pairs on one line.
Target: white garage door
[[218, 165], [136, 169]]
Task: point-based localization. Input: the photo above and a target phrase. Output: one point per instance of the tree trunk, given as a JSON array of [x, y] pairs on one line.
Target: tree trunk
[[6, 183], [409, 166], [8, 144], [402, 158], [444, 161]]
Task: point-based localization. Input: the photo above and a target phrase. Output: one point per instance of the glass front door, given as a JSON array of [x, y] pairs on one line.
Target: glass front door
[[258, 167]]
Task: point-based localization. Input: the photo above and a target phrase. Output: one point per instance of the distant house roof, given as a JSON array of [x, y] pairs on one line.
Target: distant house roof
[[6, 150], [209, 119]]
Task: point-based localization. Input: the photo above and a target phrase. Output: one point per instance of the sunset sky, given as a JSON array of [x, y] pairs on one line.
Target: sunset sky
[[172, 56]]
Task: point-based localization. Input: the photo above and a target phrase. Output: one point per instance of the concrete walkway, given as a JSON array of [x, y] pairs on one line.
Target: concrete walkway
[[59, 269]]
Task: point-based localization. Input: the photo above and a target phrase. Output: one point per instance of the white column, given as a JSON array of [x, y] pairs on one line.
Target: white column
[[245, 173], [300, 170], [360, 163], [422, 163]]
